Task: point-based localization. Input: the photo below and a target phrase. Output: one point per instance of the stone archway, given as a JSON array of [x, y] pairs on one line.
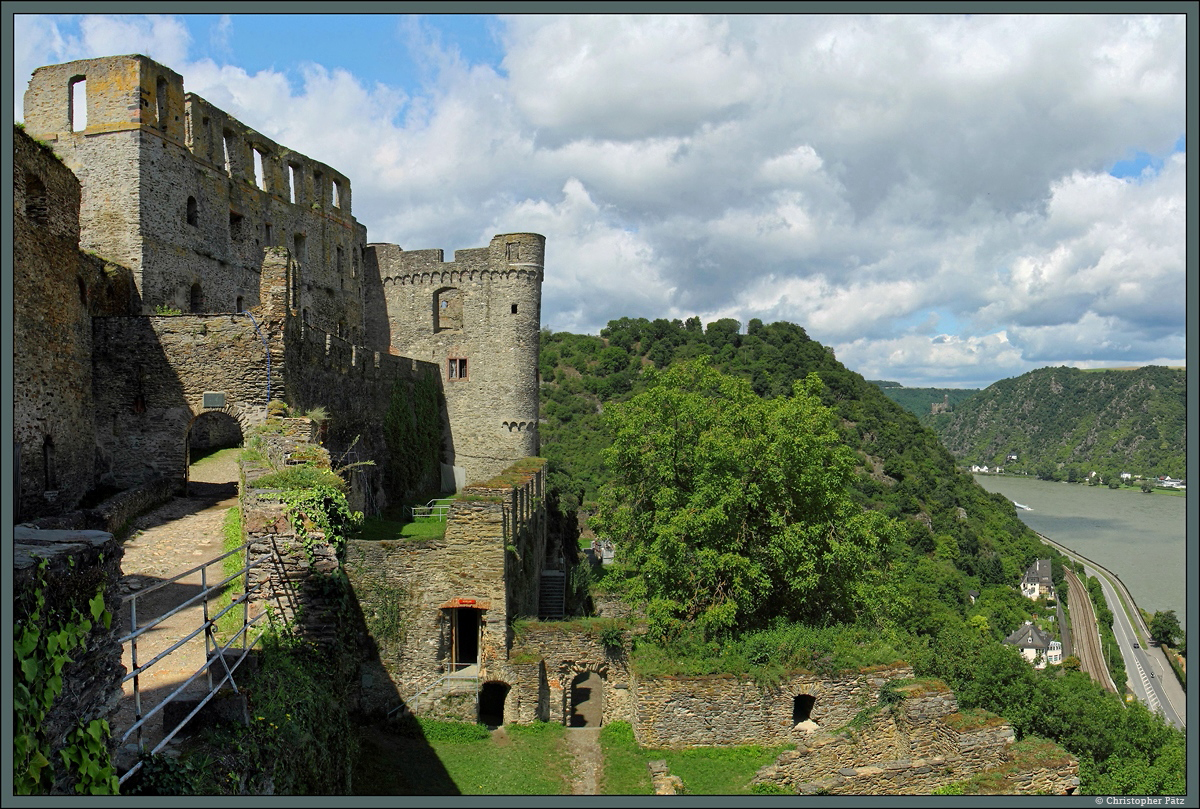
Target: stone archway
[[212, 429], [583, 686]]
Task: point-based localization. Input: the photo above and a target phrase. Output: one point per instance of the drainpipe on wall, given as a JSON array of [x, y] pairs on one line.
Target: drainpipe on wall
[[266, 349]]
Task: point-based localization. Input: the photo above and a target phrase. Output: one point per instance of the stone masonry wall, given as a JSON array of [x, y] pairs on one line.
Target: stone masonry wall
[[424, 580], [151, 374], [79, 563], [52, 373], [564, 651], [725, 710], [484, 308], [189, 197]]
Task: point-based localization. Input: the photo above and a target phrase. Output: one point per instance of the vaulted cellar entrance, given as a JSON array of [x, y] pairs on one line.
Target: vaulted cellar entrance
[[587, 700], [491, 702], [802, 705]]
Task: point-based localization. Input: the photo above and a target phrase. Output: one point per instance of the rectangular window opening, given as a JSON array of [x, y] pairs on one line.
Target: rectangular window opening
[[514, 308], [235, 226], [78, 101], [293, 179], [456, 368], [226, 138], [337, 194], [318, 189], [259, 174]]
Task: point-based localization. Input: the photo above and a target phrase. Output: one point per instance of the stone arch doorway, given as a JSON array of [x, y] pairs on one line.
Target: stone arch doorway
[[586, 700], [207, 433], [491, 702]]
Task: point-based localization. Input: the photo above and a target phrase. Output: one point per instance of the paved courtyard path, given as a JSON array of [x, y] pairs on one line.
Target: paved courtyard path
[[176, 536]]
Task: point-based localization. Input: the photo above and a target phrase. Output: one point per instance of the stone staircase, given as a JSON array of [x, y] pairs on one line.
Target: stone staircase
[[552, 596]]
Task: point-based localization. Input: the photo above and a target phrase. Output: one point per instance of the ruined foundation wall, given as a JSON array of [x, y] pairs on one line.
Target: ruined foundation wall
[[726, 710]]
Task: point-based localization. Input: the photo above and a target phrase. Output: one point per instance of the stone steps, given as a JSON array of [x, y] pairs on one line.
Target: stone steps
[[552, 596]]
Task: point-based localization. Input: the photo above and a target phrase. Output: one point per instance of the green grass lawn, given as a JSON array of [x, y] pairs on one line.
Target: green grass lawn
[[456, 758], [703, 770]]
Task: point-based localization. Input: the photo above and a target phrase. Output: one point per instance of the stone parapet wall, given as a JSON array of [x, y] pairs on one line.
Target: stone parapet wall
[[79, 564], [726, 710]]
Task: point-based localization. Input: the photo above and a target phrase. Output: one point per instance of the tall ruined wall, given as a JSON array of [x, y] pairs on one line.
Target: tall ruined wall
[[55, 290], [151, 375], [478, 318], [726, 710], [188, 197], [421, 582]]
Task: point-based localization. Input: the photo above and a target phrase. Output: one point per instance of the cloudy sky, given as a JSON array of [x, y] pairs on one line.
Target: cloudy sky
[[945, 201]]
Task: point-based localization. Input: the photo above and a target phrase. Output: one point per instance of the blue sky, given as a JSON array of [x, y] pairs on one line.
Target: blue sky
[[945, 201]]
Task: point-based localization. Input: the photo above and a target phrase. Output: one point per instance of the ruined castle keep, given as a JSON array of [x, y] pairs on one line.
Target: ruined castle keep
[[281, 294]]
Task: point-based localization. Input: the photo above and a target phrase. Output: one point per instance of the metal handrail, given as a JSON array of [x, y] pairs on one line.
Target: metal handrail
[[438, 508], [214, 650]]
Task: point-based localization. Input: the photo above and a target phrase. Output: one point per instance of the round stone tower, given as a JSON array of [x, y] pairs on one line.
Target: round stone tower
[[478, 317]]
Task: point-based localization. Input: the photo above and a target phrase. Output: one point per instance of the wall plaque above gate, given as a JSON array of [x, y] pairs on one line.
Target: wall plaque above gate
[[214, 400]]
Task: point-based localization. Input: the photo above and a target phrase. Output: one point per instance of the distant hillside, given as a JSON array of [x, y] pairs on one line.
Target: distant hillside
[[1062, 422], [919, 401]]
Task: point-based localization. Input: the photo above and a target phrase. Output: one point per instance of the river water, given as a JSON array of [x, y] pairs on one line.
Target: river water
[[1140, 537]]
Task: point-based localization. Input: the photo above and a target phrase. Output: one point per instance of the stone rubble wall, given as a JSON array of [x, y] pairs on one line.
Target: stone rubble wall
[[79, 563], [151, 377], [565, 651], [725, 710], [56, 289]]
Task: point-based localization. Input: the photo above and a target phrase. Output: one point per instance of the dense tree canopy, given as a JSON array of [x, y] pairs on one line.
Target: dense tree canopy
[[736, 509]]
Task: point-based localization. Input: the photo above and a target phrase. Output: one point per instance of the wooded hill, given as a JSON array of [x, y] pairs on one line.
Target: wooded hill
[[919, 401], [1063, 423], [913, 560]]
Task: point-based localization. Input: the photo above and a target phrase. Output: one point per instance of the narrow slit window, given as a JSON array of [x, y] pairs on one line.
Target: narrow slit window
[[193, 213], [337, 194], [239, 306], [293, 179], [78, 101], [514, 308]]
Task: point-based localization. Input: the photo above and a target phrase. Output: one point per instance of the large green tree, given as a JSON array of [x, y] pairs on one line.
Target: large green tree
[[736, 510]]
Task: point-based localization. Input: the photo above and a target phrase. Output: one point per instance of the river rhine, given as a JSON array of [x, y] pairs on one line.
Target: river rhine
[[1140, 537]]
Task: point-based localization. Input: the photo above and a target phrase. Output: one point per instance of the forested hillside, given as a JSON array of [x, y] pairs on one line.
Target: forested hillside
[[1063, 423], [918, 401], [768, 520]]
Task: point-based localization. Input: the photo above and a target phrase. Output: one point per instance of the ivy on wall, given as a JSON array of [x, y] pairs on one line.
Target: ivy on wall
[[412, 429], [42, 645]]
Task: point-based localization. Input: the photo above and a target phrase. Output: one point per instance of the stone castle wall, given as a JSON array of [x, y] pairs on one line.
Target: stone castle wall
[[56, 289], [188, 197], [683, 711], [422, 581], [78, 565], [484, 309]]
